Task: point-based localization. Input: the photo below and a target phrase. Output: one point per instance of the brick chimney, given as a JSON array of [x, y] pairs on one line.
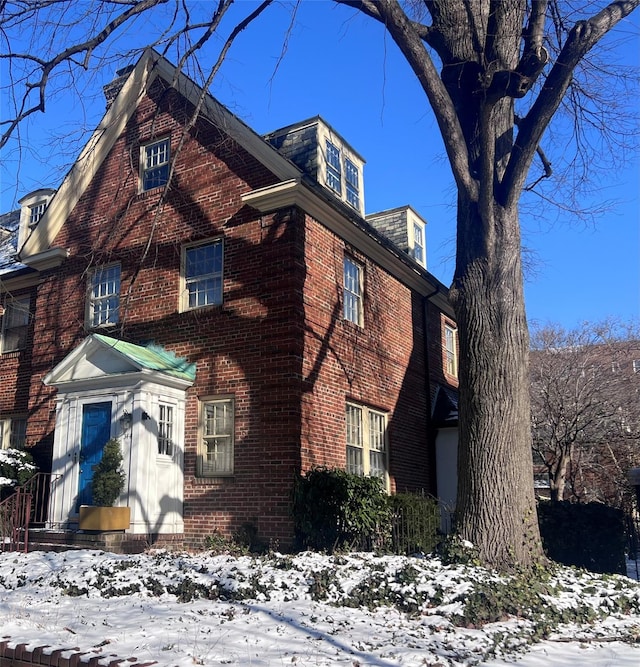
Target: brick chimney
[[112, 89]]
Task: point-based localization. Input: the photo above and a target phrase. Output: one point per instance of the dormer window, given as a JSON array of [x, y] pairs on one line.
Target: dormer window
[[334, 168], [418, 243], [321, 153], [404, 227], [35, 212], [155, 165], [342, 175], [32, 208], [353, 190]]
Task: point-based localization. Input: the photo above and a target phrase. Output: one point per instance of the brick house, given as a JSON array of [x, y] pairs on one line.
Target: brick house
[[219, 302]]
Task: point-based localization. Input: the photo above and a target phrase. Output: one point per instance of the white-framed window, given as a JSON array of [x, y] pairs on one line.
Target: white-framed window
[[13, 433], [636, 365], [418, 243], [36, 211], [342, 174], [104, 296], [216, 441], [366, 442], [334, 167], [165, 430], [154, 161], [352, 182], [352, 292], [450, 350], [202, 274], [15, 324]]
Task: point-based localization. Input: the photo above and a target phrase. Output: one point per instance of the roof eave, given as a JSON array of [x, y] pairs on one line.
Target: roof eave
[[294, 192]]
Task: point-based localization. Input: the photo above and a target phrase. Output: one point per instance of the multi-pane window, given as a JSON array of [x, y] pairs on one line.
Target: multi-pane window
[[104, 296], [13, 433], [352, 306], [35, 212], [165, 430], [353, 189], [215, 449], [203, 275], [450, 351], [15, 324], [418, 243], [155, 164], [339, 167], [366, 441], [636, 365], [334, 168], [355, 442]]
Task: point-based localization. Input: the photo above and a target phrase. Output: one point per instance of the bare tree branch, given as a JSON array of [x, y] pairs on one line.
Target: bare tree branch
[[583, 36]]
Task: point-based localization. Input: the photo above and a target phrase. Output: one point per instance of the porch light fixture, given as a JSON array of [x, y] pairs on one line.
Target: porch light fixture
[[126, 420]]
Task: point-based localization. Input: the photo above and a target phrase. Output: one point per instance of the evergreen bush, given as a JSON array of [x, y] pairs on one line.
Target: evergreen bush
[[16, 467], [108, 477], [335, 509]]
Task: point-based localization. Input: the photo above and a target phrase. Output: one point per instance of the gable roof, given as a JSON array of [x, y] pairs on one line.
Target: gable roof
[[150, 66], [104, 359], [294, 187]]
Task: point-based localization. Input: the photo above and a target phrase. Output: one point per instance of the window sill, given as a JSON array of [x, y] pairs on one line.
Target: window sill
[[12, 354], [217, 481]]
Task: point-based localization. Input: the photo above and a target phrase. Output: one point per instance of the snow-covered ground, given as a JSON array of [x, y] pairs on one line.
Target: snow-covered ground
[[303, 610]]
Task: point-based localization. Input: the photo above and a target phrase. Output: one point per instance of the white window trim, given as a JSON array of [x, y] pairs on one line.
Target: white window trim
[[25, 306], [27, 203], [143, 162], [36, 211], [450, 355], [183, 306], [90, 299], [366, 440], [171, 439], [412, 223], [360, 296], [202, 449], [324, 135], [6, 432], [5, 426]]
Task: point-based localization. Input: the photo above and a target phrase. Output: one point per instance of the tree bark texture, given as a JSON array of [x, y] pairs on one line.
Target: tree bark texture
[[496, 504]]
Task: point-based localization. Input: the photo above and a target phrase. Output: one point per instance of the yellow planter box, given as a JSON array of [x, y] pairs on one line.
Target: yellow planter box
[[104, 518]]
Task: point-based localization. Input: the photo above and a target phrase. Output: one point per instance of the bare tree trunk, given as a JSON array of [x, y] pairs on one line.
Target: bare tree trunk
[[496, 510], [559, 478]]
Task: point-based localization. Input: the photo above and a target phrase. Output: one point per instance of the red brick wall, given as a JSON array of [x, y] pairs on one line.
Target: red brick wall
[[278, 343], [380, 364]]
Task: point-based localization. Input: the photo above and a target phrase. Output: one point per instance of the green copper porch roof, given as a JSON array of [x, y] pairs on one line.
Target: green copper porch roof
[[151, 357]]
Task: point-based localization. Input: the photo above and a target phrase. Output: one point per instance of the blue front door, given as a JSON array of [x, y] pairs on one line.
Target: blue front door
[[96, 430]]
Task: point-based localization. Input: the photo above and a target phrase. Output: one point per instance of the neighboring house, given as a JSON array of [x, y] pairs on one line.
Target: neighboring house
[[219, 302]]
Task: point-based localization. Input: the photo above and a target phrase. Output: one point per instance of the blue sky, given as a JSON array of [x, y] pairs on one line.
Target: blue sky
[[342, 66]]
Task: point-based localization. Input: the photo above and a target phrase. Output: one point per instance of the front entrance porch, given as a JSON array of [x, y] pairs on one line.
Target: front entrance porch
[[112, 389]]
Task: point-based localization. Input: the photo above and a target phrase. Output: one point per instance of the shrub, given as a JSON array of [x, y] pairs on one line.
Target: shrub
[[108, 477], [335, 509], [16, 467]]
